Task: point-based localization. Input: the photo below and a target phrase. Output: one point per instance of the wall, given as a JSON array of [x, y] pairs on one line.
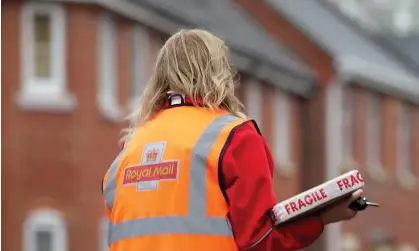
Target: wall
[[57, 160], [398, 203], [54, 160]]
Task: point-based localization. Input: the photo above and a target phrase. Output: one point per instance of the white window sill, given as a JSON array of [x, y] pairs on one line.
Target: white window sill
[[61, 102], [45, 220], [110, 110], [407, 180], [286, 169], [349, 164], [377, 172]]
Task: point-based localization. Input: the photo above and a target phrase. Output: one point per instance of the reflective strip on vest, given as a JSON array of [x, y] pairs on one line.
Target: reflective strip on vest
[[196, 222], [110, 185]]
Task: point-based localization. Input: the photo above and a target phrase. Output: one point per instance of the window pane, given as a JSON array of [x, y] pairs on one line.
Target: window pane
[[42, 46], [43, 241]]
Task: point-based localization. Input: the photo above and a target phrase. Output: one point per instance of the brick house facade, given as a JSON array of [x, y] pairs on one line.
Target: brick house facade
[[72, 73], [58, 116], [371, 116]]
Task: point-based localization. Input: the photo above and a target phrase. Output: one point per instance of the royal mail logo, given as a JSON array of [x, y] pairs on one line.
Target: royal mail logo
[[154, 172], [152, 155], [152, 169]]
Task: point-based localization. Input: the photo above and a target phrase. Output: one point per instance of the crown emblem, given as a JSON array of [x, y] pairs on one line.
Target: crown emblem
[[152, 155]]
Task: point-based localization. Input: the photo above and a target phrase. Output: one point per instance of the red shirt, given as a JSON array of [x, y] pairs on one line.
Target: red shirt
[[246, 174]]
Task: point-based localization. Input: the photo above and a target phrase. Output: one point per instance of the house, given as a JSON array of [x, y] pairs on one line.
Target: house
[[367, 112], [72, 70]]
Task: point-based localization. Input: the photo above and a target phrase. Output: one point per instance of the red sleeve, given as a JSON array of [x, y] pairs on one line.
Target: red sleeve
[[247, 171]]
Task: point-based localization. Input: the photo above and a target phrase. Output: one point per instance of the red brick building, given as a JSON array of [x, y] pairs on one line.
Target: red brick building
[[71, 72], [366, 109]]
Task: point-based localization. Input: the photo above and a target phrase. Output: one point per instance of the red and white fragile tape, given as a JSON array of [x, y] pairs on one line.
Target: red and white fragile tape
[[317, 197]]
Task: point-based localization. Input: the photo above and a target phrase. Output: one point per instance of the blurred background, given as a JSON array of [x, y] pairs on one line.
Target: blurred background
[[333, 85]]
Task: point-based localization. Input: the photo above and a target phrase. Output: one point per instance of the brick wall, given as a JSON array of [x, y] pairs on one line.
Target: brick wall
[[313, 154], [399, 204], [58, 160]]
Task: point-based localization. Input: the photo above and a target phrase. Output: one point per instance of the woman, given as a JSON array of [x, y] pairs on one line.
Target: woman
[[194, 173]]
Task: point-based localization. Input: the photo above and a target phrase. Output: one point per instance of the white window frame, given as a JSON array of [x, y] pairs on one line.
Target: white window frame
[[140, 55], [334, 145], [404, 169], [50, 94], [108, 69], [45, 220], [282, 140], [348, 128], [373, 136], [103, 234], [254, 101]]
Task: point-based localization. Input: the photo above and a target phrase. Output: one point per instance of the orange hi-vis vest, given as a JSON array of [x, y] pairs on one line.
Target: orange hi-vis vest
[[162, 192]]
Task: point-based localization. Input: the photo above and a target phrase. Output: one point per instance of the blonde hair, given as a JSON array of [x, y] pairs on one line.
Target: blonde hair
[[193, 63]]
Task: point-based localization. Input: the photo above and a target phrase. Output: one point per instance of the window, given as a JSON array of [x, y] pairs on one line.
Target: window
[[42, 39], [254, 101], [43, 240], [283, 131], [348, 129], [103, 230], [140, 47], [108, 84], [374, 130], [43, 51], [404, 167], [45, 230]]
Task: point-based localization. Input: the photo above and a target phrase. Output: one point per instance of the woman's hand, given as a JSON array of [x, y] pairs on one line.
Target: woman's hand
[[340, 211]]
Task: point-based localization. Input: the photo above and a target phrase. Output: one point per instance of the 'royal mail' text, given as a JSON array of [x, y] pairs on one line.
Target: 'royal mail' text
[[160, 171]]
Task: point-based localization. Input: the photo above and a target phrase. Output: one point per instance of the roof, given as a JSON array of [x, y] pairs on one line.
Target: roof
[[356, 56], [405, 48], [269, 60], [252, 50]]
